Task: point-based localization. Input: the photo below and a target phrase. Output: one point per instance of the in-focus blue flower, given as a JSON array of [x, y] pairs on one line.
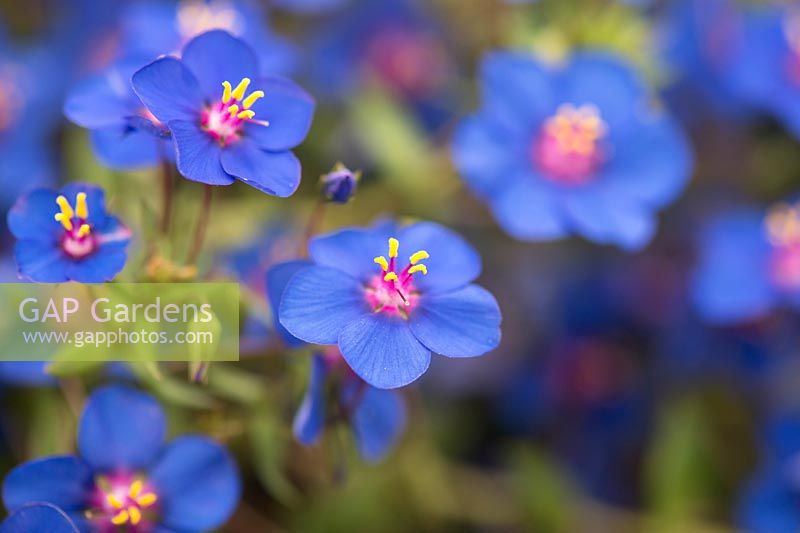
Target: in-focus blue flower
[[154, 28], [67, 235], [220, 132], [767, 68], [38, 517], [749, 263], [126, 476], [124, 134], [388, 316], [376, 416], [571, 150]]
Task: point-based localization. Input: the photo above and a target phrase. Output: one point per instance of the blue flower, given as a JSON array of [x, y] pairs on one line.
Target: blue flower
[[124, 134], [749, 263], [153, 29], [377, 417], [571, 150], [387, 317], [38, 517], [277, 278], [126, 475], [220, 132], [767, 70], [67, 236]]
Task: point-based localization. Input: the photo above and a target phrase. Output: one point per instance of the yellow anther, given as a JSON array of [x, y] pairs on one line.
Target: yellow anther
[[114, 501], [135, 514], [417, 257], [226, 92], [81, 209], [391, 276], [246, 115], [66, 209], [418, 268], [394, 244], [146, 500], [135, 489], [232, 110], [238, 92], [120, 518], [250, 100], [382, 262], [66, 222], [84, 230]]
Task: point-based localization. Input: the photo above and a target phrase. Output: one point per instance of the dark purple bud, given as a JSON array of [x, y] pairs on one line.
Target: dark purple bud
[[340, 184]]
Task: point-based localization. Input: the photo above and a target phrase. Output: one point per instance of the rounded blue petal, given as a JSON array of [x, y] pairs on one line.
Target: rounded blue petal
[[125, 148], [64, 481], [276, 280], [319, 302], [197, 482], [462, 323], [309, 421], [351, 251], [169, 90], [101, 266], [31, 217], [121, 429], [529, 210], [41, 261], [198, 155], [217, 56], [275, 173], [383, 351], [38, 517], [288, 110], [378, 422], [602, 217], [102, 101]]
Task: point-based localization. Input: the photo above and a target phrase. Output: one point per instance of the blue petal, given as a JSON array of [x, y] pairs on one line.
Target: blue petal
[[287, 108], [453, 262], [319, 302], [217, 56], [351, 251], [28, 373], [101, 101], [64, 481], [31, 217], [275, 173], [124, 148], [277, 278], [169, 90], [378, 422], [517, 90], [198, 154], [310, 418], [101, 266], [464, 323], [769, 505], [39, 517], [529, 210], [40, 261], [600, 216], [197, 482], [383, 351], [121, 428]]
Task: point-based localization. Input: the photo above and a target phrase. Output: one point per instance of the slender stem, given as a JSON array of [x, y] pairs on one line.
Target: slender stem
[[313, 225], [201, 226], [166, 196]]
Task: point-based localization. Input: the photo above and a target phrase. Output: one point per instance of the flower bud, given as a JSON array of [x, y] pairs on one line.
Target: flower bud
[[340, 184]]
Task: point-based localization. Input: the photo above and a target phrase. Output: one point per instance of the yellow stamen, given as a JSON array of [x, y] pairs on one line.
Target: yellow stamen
[[418, 268], [250, 100], [226, 92], [84, 230], [81, 209], [233, 110], [382, 262], [417, 257], [391, 276], [394, 244], [114, 501], [245, 115], [66, 222], [120, 518], [146, 500], [238, 92], [136, 515], [66, 209], [135, 489]]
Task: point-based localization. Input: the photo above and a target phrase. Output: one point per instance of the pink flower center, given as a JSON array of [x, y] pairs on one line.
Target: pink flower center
[[568, 149], [122, 502], [77, 240], [392, 291], [225, 119], [782, 226]]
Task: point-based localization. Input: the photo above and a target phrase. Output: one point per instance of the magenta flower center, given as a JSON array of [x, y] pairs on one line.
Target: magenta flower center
[[122, 501], [392, 291], [77, 241], [568, 149], [782, 225], [225, 119]]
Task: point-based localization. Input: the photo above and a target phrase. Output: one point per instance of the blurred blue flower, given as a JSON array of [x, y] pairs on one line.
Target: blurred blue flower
[[221, 133], [749, 263], [376, 416], [571, 150], [309, 6], [767, 68], [127, 476], [67, 235], [387, 317], [276, 280], [38, 517], [124, 134], [152, 29]]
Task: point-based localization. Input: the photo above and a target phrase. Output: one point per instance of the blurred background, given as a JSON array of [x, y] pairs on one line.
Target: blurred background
[[613, 404]]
